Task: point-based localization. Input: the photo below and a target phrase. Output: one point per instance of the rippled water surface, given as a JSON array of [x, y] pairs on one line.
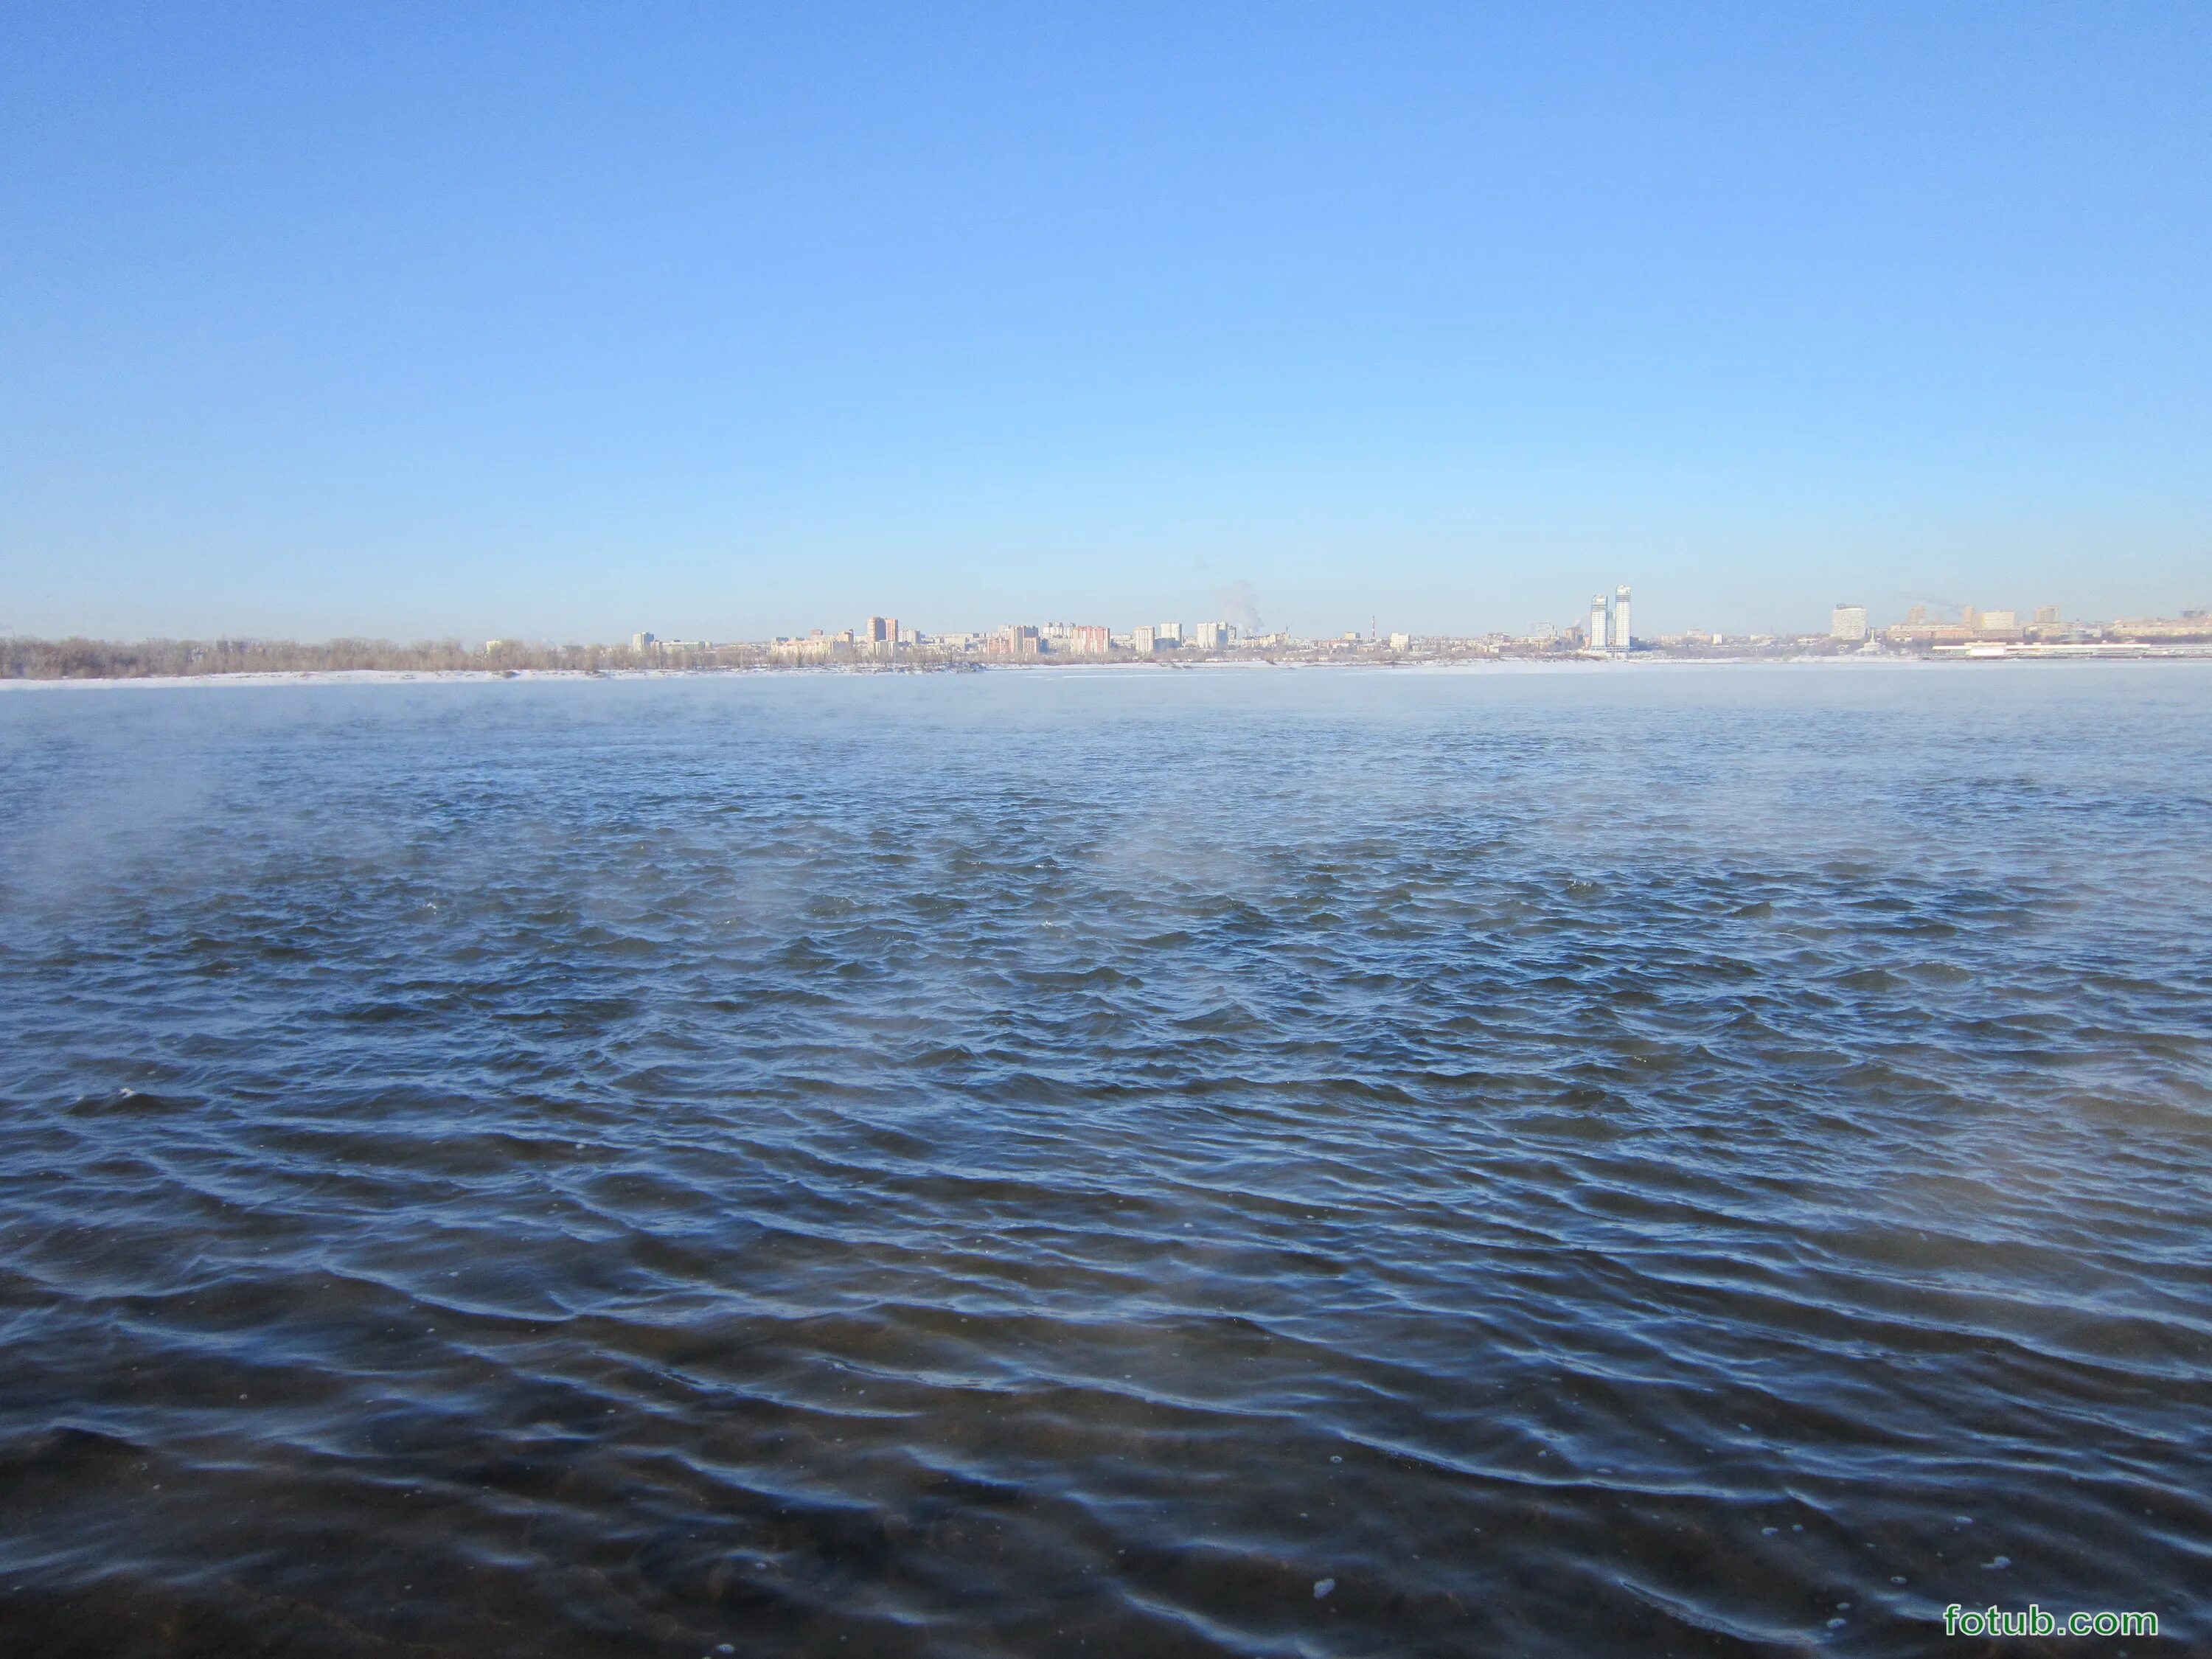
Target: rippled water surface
[[1599, 1163]]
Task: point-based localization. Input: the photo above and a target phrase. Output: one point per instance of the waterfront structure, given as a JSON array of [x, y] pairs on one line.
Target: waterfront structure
[[1216, 636], [1167, 633], [1596, 636], [1620, 640], [1848, 622], [1144, 640], [1016, 641]]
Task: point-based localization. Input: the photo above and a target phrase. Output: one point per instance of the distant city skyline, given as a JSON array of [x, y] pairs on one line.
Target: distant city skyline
[[884, 644], [1609, 627], [1606, 613], [737, 322]]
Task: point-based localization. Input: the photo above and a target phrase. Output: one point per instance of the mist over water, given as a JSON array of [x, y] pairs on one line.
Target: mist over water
[[1673, 1162]]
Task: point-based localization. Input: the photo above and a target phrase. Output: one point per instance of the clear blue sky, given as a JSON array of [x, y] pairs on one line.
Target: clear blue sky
[[564, 320]]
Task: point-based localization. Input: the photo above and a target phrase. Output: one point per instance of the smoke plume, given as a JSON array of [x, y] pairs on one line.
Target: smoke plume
[[1239, 603]]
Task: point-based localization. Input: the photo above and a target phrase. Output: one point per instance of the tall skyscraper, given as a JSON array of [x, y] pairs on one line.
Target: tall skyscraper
[[1596, 640], [1848, 622], [1621, 617]]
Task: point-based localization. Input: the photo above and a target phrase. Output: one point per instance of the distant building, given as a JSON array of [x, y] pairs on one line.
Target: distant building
[[1215, 635], [1144, 640], [1620, 635], [2000, 622], [1016, 641], [1085, 641], [642, 642], [2046, 616], [1927, 633], [1597, 636], [1915, 616], [815, 647], [1970, 617], [1401, 641], [882, 630], [1167, 633], [1848, 622], [2190, 625]]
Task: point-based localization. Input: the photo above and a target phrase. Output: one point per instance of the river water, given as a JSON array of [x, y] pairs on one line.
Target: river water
[[1599, 1162]]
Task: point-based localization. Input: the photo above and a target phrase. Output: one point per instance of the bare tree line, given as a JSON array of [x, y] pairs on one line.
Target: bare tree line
[[108, 659]]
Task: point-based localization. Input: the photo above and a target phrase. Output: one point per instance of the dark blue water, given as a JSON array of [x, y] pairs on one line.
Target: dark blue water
[[1627, 1162]]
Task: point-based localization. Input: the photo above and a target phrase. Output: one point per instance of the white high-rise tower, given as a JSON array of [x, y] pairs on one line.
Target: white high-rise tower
[[1621, 617], [1597, 622]]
